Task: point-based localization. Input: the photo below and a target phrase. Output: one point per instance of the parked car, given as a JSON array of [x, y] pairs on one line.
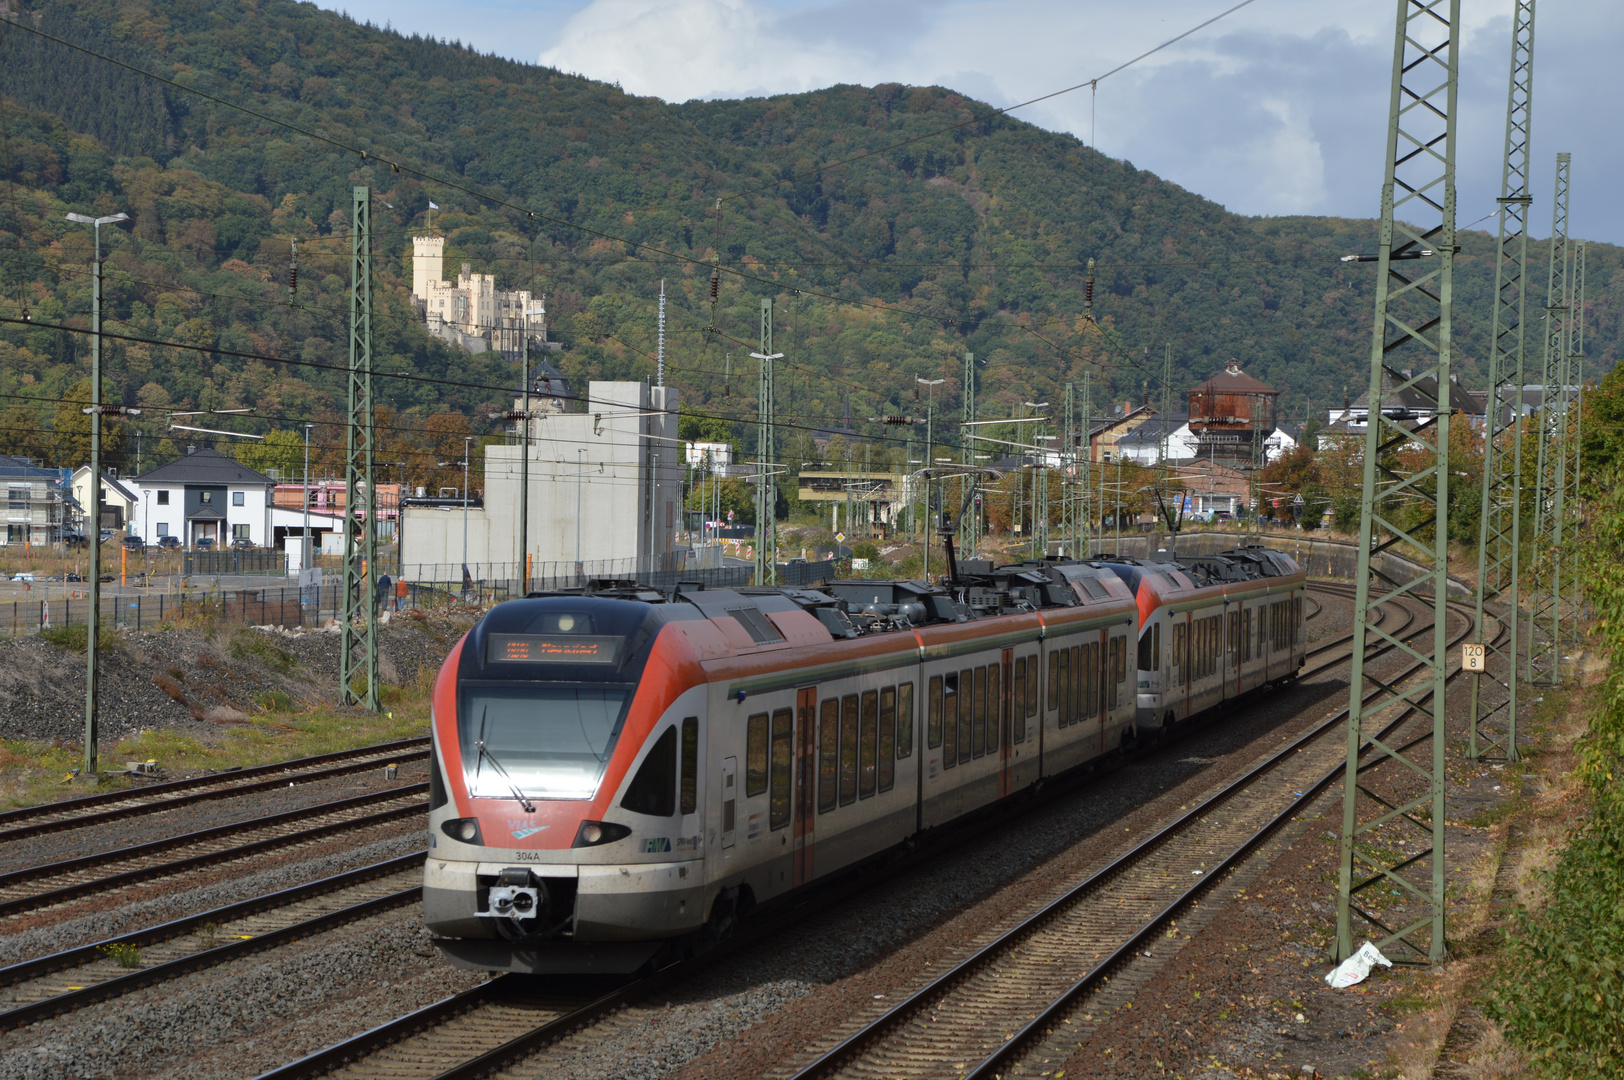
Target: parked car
[[25, 575], [134, 543], [203, 543], [168, 543], [75, 539], [107, 534], [71, 576], [242, 543]]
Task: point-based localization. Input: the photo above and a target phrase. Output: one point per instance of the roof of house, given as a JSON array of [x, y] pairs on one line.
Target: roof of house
[[108, 480], [1420, 397], [204, 466], [1152, 431], [15, 468]]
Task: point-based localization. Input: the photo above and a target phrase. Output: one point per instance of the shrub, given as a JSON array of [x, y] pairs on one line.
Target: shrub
[[123, 954]]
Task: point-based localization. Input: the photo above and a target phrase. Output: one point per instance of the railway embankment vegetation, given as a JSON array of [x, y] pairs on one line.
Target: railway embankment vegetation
[[204, 696], [1561, 972]]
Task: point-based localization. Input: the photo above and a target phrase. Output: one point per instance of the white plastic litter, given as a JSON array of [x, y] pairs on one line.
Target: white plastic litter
[[1356, 967]]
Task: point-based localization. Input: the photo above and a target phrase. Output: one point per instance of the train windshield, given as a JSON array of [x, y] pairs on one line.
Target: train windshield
[[547, 740]]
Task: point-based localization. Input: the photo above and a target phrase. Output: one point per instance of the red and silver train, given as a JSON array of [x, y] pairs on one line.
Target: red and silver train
[[620, 770]]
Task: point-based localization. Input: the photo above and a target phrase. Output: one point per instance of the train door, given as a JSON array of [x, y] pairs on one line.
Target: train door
[[1003, 718], [730, 801], [806, 701]]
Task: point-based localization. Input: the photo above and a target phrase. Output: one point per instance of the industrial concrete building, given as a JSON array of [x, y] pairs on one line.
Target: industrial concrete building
[[605, 486]]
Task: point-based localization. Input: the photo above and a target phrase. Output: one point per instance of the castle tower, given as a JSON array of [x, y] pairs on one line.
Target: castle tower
[[428, 258]]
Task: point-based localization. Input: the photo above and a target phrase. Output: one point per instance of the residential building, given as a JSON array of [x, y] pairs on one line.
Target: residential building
[[1157, 441], [203, 495], [117, 501], [36, 503], [472, 312], [1105, 432]]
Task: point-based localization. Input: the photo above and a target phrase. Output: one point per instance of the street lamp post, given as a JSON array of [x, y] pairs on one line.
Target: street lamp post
[[93, 630], [578, 452], [466, 440], [524, 461]]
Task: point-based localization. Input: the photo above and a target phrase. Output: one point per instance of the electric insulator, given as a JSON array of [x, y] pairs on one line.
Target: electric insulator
[[716, 285], [1088, 291], [293, 279]]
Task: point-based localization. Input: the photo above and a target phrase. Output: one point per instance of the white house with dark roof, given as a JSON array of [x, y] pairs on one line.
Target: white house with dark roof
[[117, 501], [204, 495]]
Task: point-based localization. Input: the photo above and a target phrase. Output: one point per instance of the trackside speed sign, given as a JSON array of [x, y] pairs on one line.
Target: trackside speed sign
[[1471, 657]]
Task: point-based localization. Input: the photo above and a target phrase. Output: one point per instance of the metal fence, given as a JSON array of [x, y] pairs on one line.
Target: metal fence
[[239, 563], [430, 587]]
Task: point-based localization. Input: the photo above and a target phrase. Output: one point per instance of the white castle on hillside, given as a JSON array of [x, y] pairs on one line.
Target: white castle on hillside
[[472, 312]]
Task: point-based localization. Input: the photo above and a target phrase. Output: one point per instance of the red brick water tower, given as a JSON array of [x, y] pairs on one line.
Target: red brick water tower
[[1226, 410]]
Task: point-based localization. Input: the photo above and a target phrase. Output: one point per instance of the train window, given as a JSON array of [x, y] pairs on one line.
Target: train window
[[653, 790], [755, 754], [868, 744], [1156, 649], [978, 719], [848, 749], [1064, 691], [1054, 679], [995, 710], [933, 719], [1246, 635], [828, 755], [1018, 690], [950, 721], [1116, 675], [1077, 684], [690, 764], [1263, 628], [1094, 679], [783, 755], [905, 720], [888, 738], [967, 696], [1145, 660], [1032, 685]]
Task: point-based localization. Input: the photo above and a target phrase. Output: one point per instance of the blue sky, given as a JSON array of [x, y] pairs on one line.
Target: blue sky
[[1280, 108]]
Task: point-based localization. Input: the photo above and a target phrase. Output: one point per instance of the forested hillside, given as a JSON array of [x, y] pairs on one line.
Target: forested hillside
[[884, 269]]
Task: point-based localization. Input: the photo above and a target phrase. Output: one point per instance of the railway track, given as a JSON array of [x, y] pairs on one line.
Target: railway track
[[71, 879], [977, 1019], [173, 794], [507, 1019], [65, 981]]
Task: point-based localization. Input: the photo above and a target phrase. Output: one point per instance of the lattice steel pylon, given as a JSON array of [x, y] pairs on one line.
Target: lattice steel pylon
[[1499, 539], [1069, 474], [767, 486], [358, 647], [1545, 590], [1573, 442], [1085, 467], [1393, 804], [970, 528]]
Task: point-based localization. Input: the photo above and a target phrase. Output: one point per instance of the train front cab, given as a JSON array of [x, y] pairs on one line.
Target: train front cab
[[564, 822]]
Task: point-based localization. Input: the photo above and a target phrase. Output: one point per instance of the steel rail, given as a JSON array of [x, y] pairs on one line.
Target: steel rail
[[844, 1052], [228, 854], [72, 1000], [25, 970], [363, 1044], [170, 794]]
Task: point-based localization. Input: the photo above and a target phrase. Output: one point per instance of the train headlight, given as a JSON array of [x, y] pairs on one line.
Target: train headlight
[[593, 833], [464, 829]]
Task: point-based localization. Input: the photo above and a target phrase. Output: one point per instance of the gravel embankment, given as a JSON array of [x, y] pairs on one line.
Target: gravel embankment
[[191, 681]]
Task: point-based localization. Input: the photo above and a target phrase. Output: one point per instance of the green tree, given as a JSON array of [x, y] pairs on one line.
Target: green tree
[[280, 450], [71, 432]]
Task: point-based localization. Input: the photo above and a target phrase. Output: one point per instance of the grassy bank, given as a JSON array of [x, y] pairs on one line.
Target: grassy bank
[[1560, 976]]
